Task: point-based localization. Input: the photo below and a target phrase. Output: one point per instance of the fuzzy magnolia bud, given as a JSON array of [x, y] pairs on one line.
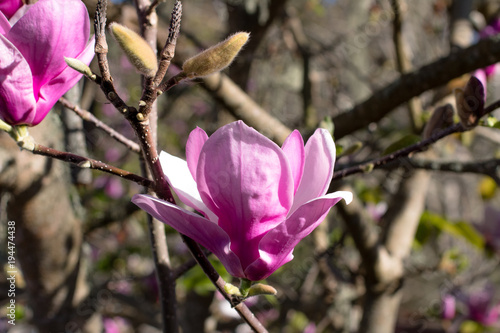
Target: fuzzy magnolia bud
[[261, 289], [138, 51], [470, 102], [80, 67], [215, 58], [441, 118]]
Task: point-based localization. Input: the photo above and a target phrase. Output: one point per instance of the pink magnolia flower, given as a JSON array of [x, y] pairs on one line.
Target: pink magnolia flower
[[10, 7], [258, 200], [33, 72]]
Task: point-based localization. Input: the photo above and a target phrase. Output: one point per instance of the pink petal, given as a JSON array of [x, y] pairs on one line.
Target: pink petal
[[4, 24], [49, 31], [183, 184], [17, 104], [60, 84], [196, 140], [318, 168], [245, 179], [9, 7], [277, 245], [293, 147], [194, 226]]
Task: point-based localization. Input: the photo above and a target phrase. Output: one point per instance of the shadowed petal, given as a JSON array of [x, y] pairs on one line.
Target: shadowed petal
[[277, 245], [245, 179], [293, 147], [196, 140], [4, 24], [318, 168], [9, 7], [59, 85], [179, 177], [17, 103], [208, 234]]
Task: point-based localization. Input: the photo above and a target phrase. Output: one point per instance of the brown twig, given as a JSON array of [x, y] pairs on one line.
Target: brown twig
[[89, 117], [147, 143], [482, 54], [167, 54], [85, 162], [219, 283], [489, 167], [101, 51], [419, 146]]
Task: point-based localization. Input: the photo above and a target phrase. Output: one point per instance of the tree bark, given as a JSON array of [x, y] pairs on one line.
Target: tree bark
[[48, 235]]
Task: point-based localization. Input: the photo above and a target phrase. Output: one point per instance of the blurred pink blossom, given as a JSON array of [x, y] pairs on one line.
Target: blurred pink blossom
[[480, 309], [112, 186], [448, 307]]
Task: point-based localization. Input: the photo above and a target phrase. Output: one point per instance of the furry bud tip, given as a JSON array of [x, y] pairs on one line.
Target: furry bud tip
[[217, 57], [137, 50]]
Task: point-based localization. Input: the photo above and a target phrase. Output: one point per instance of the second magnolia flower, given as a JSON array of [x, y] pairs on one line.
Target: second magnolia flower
[[258, 200]]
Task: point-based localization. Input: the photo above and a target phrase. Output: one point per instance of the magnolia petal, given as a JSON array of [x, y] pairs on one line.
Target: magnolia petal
[[182, 182], [195, 142], [198, 228], [318, 168], [245, 179], [17, 104], [50, 93], [4, 24], [293, 147], [277, 245], [43, 37], [9, 7]]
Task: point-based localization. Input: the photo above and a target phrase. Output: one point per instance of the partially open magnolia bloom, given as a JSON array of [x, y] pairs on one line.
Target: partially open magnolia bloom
[[32, 50], [258, 200]]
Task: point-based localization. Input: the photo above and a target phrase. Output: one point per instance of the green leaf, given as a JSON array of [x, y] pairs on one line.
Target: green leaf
[[470, 234], [459, 229], [404, 142]]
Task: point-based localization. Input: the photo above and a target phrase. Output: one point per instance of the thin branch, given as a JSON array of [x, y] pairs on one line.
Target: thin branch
[[482, 54], [167, 54], [85, 162], [146, 138], [219, 283], [488, 167], [101, 51], [417, 147], [89, 117]]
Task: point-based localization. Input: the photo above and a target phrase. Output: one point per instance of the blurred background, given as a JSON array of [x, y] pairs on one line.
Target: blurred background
[[83, 248]]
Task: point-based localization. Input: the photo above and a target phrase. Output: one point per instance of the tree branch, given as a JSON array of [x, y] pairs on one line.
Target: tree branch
[[85, 162], [382, 102], [89, 117]]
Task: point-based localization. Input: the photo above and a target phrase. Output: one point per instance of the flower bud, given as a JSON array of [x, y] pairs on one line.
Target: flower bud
[[80, 67], [470, 102], [138, 51], [441, 118], [261, 289], [232, 289], [217, 57]]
